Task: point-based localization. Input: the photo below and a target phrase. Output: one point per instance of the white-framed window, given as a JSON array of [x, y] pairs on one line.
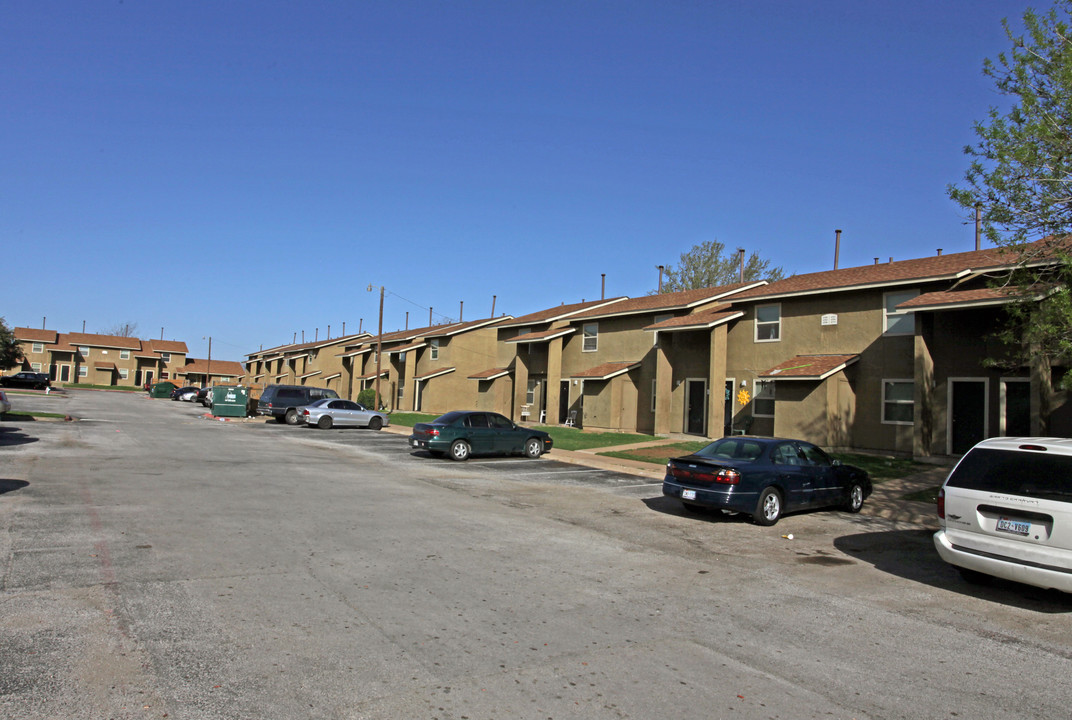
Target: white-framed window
[[124, 354], [530, 392], [401, 394], [763, 400], [83, 350], [123, 372], [36, 367], [898, 404], [898, 322], [38, 347], [768, 323], [590, 335], [165, 375], [166, 357], [653, 385], [83, 371], [434, 345]]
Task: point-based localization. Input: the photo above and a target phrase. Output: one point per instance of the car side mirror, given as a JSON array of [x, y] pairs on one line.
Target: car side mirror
[[836, 463]]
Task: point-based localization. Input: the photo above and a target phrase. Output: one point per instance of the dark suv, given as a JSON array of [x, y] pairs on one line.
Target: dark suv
[[284, 402], [35, 380]]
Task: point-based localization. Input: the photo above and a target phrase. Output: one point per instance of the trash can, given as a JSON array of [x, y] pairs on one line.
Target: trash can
[[229, 401], [162, 389]]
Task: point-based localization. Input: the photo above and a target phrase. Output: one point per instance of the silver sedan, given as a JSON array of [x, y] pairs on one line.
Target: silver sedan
[[329, 412]]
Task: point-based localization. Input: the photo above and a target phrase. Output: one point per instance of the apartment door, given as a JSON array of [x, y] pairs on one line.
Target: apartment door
[[1016, 407], [967, 414], [727, 418], [563, 401], [695, 406], [65, 373]]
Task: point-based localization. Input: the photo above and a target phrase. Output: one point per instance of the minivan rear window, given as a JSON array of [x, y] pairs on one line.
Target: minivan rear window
[[1033, 474]]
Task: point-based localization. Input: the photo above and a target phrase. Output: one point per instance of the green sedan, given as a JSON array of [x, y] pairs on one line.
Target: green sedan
[[464, 433]]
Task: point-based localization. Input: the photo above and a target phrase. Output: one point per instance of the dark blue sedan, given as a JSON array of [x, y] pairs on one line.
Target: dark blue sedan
[[764, 478]]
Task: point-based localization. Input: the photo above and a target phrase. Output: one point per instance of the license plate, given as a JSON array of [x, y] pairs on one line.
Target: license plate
[[416, 443], [1015, 527], [688, 494]]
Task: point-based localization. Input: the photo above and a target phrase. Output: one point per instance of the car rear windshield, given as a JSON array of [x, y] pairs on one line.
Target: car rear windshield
[[1035, 474], [733, 449]]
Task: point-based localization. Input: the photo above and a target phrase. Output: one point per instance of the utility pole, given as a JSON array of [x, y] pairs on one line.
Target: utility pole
[[208, 370], [379, 348]]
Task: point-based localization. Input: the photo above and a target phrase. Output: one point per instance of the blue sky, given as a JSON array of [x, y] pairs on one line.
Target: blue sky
[[244, 170]]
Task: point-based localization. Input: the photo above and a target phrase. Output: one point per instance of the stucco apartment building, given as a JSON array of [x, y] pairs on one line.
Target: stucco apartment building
[[322, 363], [95, 359]]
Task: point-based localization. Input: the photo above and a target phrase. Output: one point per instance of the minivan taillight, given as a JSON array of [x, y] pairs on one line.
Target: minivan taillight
[[941, 503]]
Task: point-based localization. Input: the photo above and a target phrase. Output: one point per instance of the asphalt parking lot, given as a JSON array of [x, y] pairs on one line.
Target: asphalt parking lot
[[154, 563]]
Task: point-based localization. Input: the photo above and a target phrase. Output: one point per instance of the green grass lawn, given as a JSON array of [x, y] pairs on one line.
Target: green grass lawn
[[565, 438], [17, 414], [409, 419]]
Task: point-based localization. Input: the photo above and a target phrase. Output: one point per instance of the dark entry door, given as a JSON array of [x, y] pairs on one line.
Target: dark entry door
[[727, 419], [968, 414], [696, 412], [1017, 409], [563, 401]]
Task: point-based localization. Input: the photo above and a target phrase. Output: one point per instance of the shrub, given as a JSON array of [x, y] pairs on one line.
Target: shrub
[[367, 397]]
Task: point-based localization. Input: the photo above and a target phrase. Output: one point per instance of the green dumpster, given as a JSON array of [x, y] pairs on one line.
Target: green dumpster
[[162, 389], [229, 401]]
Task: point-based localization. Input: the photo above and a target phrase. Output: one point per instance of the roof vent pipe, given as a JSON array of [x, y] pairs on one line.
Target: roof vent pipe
[[661, 268], [978, 223], [461, 311], [891, 259], [603, 286], [429, 317], [740, 258], [837, 247], [876, 261], [493, 299], [939, 252], [407, 319]]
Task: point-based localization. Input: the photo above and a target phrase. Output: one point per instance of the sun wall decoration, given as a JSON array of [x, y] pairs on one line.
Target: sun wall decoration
[[743, 397]]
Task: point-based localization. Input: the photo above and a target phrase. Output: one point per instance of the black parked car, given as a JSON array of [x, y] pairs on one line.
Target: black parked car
[[34, 380], [764, 478], [285, 402]]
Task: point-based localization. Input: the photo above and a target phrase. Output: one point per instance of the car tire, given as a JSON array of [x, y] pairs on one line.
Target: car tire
[[325, 422], [533, 448], [292, 417], [375, 423], [855, 499], [459, 450], [769, 508]]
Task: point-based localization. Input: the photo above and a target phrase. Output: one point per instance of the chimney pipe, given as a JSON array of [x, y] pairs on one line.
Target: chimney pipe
[[84, 329], [891, 258], [493, 299], [837, 247], [43, 323], [407, 319], [360, 325], [293, 342], [303, 337], [661, 268], [740, 254], [316, 338], [939, 252], [344, 328], [978, 224], [876, 261], [429, 317], [328, 336], [603, 287], [461, 311]]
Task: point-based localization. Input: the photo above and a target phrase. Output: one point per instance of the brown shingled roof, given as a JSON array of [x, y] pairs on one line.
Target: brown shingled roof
[[201, 366], [32, 335], [108, 341], [669, 301], [810, 367], [490, 374], [607, 370], [560, 312], [939, 267], [698, 321], [978, 297], [542, 335]]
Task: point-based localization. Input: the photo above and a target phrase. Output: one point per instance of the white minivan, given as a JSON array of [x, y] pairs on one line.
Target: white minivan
[[1006, 510]]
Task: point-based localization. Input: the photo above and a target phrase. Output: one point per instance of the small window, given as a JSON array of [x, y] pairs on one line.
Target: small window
[[38, 347], [165, 375], [401, 393], [590, 332], [83, 350], [898, 322], [83, 371], [898, 404], [166, 357], [434, 345], [123, 372], [124, 354], [763, 404], [36, 367], [530, 392], [768, 323]]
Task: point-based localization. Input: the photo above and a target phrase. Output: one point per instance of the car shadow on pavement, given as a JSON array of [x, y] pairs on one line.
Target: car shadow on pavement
[[910, 554], [8, 485], [13, 435], [673, 506]]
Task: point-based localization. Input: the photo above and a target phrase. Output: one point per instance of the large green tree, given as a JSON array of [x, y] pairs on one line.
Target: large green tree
[[10, 352], [707, 265], [1020, 177]]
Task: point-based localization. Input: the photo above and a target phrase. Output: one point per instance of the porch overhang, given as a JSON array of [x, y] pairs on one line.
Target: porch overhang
[[436, 373], [968, 299], [492, 374], [331, 377], [699, 321], [372, 375], [815, 368], [309, 375], [542, 336], [606, 371]]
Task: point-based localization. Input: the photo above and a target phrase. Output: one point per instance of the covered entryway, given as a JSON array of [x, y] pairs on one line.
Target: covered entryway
[[967, 413], [1015, 407]]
